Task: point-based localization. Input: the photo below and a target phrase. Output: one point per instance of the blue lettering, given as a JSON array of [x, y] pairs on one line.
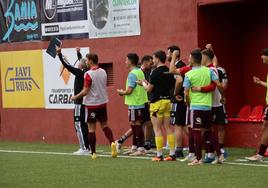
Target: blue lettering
[[17, 12], [9, 15], [33, 10], [25, 10]]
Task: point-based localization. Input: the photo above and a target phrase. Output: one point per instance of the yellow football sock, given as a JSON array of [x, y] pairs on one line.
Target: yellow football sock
[[159, 142], [171, 141]]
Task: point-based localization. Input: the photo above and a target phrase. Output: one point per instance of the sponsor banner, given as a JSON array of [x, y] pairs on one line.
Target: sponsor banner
[[3, 26], [113, 18], [59, 82], [64, 28], [64, 17], [22, 79], [22, 18]]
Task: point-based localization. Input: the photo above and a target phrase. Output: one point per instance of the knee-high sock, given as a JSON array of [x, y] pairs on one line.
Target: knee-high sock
[[159, 144], [109, 134], [171, 143], [191, 141], [92, 142], [207, 145], [134, 136], [198, 143], [85, 134], [139, 136], [213, 141]]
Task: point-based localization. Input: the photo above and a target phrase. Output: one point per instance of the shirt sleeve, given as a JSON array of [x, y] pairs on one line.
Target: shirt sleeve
[[213, 75], [224, 76], [184, 70], [211, 87], [132, 78], [153, 77], [186, 82], [87, 81]]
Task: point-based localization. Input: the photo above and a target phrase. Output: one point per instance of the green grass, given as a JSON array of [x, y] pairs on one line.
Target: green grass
[[42, 170]]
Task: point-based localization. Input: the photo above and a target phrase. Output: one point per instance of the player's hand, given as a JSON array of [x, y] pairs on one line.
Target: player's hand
[[196, 89], [209, 46], [179, 98], [78, 49], [120, 92], [139, 82], [73, 98], [58, 50], [176, 53], [256, 80], [223, 100]]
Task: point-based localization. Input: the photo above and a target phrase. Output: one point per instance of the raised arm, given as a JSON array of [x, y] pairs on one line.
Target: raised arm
[[70, 68], [79, 55], [259, 82], [172, 67]]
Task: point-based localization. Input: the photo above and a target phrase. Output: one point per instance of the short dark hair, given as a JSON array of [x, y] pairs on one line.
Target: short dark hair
[[173, 48], [208, 52], [146, 58], [93, 57], [133, 58], [161, 55], [265, 52], [196, 54]]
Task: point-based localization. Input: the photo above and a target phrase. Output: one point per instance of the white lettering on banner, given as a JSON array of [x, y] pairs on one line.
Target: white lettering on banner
[[65, 28], [69, 2]]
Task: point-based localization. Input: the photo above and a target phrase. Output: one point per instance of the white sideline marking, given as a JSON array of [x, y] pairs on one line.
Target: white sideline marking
[[70, 154], [246, 164], [122, 156], [244, 160]]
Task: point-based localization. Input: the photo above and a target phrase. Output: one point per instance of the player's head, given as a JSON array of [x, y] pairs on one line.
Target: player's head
[[195, 57], [82, 63], [264, 56], [92, 59], [207, 56], [147, 62], [159, 57], [170, 50], [132, 59]]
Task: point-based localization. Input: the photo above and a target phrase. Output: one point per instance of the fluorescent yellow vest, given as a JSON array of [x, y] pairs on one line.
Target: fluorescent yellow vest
[[138, 96], [200, 77]]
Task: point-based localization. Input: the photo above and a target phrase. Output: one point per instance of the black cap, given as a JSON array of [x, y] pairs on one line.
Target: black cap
[[265, 52]]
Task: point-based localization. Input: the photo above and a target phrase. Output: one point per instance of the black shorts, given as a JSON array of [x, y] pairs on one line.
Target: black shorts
[[188, 116], [178, 114], [266, 114], [136, 115], [98, 114], [200, 119], [219, 115], [146, 113]]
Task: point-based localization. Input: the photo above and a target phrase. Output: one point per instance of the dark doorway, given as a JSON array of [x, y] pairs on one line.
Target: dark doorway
[[238, 33]]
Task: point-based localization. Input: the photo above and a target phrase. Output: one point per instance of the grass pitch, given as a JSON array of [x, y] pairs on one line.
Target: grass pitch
[[45, 165]]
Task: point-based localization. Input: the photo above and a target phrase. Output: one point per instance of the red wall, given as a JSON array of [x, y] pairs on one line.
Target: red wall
[[162, 24]]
